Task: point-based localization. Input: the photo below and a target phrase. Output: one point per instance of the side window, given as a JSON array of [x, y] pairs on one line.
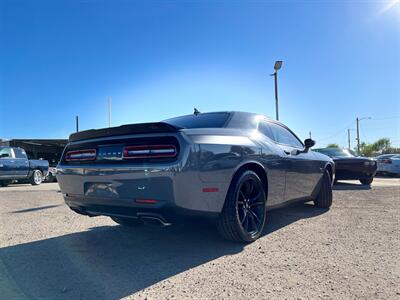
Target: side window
[[283, 136], [5, 153], [264, 128], [19, 153]]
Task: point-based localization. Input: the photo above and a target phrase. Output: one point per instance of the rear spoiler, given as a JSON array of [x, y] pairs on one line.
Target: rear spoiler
[[123, 130]]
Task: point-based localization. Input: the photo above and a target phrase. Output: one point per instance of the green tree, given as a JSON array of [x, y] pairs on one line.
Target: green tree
[[332, 145], [380, 146]]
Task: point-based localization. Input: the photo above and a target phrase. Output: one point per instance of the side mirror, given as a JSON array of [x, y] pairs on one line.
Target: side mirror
[[308, 143], [3, 155]]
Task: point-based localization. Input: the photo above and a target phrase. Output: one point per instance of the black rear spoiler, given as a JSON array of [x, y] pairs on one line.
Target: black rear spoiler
[[123, 130]]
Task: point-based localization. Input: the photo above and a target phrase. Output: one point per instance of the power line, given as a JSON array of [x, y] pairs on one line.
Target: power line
[[351, 123], [338, 132], [386, 118]]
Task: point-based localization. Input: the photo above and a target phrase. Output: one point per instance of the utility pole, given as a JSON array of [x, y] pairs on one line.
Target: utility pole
[[348, 137], [358, 135], [109, 111], [77, 123], [277, 66], [358, 132], [310, 134]]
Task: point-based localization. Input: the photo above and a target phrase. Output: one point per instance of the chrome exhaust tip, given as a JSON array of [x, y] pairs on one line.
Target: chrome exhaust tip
[[153, 217]]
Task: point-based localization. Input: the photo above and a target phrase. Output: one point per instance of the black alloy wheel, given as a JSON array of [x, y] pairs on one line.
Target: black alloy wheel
[[243, 216], [251, 206]]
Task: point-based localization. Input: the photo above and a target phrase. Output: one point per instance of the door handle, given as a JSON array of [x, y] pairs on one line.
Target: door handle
[[286, 152]]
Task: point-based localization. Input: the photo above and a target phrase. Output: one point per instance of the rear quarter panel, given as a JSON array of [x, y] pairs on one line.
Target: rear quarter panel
[[221, 154]]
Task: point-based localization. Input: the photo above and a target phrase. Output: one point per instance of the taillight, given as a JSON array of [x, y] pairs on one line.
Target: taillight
[[80, 155], [146, 201], [149, 151], [386, 161]]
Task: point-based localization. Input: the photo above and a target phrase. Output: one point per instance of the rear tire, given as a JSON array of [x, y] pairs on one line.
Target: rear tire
[[324, 198], [36, 178], [366, 181], [243, 217], [128, 222]]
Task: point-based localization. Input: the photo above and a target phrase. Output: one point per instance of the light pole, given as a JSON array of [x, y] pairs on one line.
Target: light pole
[[358, 131], [109, 111], [277, 66], [348, 138], [77, 123]]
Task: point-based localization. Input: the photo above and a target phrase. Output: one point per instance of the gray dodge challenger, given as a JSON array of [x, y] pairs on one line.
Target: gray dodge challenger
[[231, 167]]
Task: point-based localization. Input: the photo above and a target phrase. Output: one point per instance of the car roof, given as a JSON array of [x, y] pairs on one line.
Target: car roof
[[235, 117]]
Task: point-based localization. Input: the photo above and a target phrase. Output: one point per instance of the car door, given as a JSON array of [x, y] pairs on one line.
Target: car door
[[7, 168], [21, 162], [303, 170]]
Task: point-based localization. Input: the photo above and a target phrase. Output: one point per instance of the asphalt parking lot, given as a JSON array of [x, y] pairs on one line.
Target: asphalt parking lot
[[351, 251]]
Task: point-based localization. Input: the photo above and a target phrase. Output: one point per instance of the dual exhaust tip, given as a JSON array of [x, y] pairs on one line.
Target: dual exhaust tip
[[144, 216], [153, 217]]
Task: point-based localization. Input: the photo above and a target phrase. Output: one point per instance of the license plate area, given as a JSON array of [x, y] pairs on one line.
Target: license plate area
[[107, 153]]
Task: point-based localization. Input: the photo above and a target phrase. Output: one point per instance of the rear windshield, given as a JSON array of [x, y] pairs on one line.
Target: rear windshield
[[207, 120]]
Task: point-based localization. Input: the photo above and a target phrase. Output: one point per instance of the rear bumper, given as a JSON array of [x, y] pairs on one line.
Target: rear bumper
[[176, 191], [166, 212]]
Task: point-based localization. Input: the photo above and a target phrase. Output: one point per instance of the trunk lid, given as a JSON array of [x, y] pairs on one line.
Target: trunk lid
[[123, 130]]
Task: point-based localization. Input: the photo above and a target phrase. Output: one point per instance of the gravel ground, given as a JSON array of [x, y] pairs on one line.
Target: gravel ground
[[348, 252]]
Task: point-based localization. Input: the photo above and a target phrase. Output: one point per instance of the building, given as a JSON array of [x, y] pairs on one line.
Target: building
[[50, 150]]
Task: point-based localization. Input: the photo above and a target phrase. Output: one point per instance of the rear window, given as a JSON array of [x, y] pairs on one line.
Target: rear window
[[207, 120], [19, 153]]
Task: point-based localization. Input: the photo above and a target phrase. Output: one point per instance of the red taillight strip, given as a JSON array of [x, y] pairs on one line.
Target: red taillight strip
[[79, 155], [146, 201], [149, 151], [210, 190]]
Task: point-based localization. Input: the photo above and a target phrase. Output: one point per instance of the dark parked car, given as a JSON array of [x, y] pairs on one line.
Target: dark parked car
[[15, 165], [351, 167], [229, 166]]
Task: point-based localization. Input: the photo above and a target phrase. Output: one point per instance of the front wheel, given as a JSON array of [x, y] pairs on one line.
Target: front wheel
[[324, 198], [366, 181], [36, 178], [243, 217]]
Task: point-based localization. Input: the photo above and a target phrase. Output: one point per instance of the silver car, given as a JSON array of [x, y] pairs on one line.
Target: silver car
[[389, 164], [228, 166]]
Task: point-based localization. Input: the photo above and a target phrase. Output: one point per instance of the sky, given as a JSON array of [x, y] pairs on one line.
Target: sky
[[160, 59]]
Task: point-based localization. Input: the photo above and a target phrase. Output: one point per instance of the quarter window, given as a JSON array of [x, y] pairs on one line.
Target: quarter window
[[283, 136], [265, 129]]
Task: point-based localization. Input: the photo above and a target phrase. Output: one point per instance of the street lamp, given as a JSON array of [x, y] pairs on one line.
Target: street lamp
[[358, 131], [277, 66]]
